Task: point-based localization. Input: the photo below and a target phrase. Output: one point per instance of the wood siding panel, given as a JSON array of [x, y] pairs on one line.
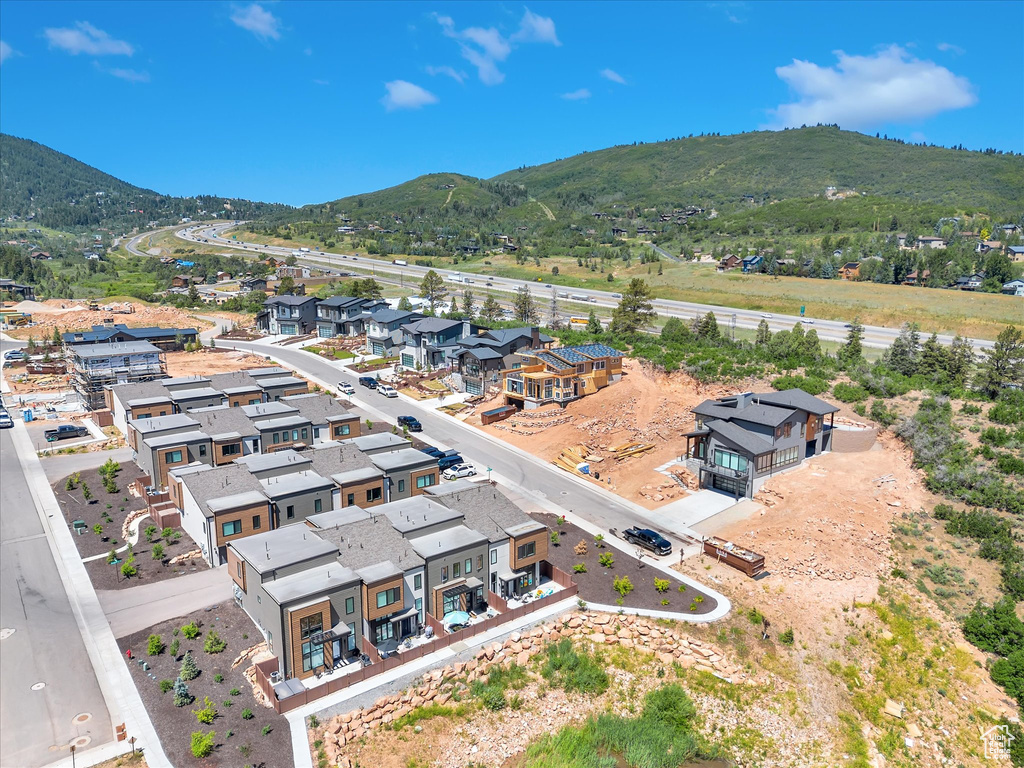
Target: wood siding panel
[[219, 457], [413, 490], [244, 515], [236, 567], [370, 610], [540, 538], [295, 634], [358, 490], [162, 464]]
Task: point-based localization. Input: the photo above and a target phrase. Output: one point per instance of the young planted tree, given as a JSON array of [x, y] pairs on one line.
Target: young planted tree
[[635, 310], [433, 289], [182, 696], [189, 668]]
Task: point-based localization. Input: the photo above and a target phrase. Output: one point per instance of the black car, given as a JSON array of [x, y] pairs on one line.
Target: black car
[[449, 459], [432, 451], [411, 422], [648, 539], [368, 381]]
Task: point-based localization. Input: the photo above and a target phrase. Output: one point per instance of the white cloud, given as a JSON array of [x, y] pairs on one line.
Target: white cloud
[[733, 10], [579, 95], [864, 91], [406, 95], [321, 82], [131, 75], [484, 48], [6, 52], [950, 48], [917, 137], [85, 38], [535, 29], [457, 75], [256, 19], [611, 74]]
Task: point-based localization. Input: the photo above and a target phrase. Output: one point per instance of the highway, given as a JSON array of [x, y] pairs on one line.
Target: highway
[[828, 330]]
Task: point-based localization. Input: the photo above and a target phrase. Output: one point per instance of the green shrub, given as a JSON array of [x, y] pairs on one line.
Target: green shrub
[[573, 670], [190, 630], [166, 685], [606, 560], [786, 636], [182, 696], [174, 648], [809, 384], [213, 643], [579, 568], [1010, 465], [235, 692], [599, 540], [1009, 408], [166, 533], [662, 585], [128, 568], [849, 393], [755, 617], [218, 678], [202, 744], [555, 538], [189, 668], [266, 730], [247, 714], [622, 585], [150, 532], [493, 698], [158, 551], [883, 415], [207, 714], [996, 436], [155, 646]]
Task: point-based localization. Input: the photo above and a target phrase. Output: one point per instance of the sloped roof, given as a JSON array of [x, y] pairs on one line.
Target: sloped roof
[[734, 433], [797, 398]]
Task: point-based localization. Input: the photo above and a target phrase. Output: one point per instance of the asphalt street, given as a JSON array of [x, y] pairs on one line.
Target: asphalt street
[[45, 646]]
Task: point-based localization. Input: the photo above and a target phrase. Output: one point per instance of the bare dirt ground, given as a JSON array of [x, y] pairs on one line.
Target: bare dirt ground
[[67, 315], [645, 406], [208, 361]]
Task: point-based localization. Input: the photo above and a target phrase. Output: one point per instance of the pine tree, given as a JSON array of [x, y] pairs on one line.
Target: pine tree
[[189, 668], [706, 327], [404, 304], [635, 310], [1003, 364], [433, 289], [904, 354], [467, 304], [851, 354], [182, 696], [934, 361], [523, 306], [961, 362], [593, 324], [764, 334], [812, 346], [491, 310]]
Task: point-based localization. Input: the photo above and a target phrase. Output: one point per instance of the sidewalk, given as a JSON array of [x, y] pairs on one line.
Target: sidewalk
[[122, 699]]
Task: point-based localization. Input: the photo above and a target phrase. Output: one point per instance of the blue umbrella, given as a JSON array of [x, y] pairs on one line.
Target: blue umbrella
[[455, 617]]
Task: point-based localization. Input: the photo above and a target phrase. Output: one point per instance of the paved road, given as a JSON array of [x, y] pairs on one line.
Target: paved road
[[514, 466], [46, 645], [828, 330]]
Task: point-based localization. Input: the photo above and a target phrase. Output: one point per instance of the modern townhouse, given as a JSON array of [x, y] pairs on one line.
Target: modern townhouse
[[560, 375], [93, 367], [345, 315], [384, 334], [409, 472], [738, 442], [358, 481], [480, 359], [328, 421], [428, 343], [288, 315]]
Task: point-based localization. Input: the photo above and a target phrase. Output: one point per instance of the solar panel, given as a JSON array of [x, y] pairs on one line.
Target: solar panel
[[569, 354], [554, 362]]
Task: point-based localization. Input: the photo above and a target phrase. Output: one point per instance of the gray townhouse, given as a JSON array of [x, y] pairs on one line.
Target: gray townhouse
[[384, 335], [739, 441], [288, 315], [480, 359], [410, 472], [328, 421], [345, 315], [428, 343]]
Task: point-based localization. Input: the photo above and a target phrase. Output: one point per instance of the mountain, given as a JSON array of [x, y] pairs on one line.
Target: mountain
[[62, 193]]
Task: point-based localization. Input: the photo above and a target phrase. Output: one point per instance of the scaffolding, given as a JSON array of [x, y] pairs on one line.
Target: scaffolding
[[93, 367]]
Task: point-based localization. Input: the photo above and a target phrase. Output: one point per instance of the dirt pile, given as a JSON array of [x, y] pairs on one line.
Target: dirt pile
[[207, 361], [65, 315]]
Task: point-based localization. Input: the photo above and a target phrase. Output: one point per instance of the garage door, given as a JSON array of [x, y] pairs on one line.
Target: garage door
[[734, 485]]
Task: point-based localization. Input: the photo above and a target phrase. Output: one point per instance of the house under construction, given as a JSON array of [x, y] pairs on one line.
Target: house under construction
[[95, 366]]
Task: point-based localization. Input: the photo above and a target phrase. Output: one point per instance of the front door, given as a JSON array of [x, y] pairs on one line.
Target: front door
[[336, 651]]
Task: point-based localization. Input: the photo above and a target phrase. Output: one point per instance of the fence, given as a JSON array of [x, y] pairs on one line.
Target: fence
[[441, 640]]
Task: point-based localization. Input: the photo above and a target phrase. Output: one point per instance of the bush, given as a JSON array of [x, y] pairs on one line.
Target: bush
[[493, 698], [166, 685], [182, 696], [189, 668], [662, 585], [606, 560], [883, 415], [1009, 408], [622, 585], [128, 568], [1010, 465], [111, 556], [809, 384], [158, 552], [166, 533], [213, 643], [786, 636], [218, 678], [190, 630], [150, 532], [599, 540], [555, 537], [849, 393], [174, 648], [996, 436], [579, 568], [235, 692], [266, 730], [572, 670], [202, 744], [207, 714], [755, 617], [155, 645], [247, 714], [97, 529]]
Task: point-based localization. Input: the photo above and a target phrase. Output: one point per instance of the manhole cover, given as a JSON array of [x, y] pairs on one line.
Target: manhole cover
[[6, 632], [80, 742], [38, 686], [82, 717]]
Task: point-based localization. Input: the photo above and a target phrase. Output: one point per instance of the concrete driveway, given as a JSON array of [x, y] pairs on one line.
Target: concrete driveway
[[681, 515]]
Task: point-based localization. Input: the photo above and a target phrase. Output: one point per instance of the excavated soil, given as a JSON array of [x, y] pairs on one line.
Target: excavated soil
[[66, 315]]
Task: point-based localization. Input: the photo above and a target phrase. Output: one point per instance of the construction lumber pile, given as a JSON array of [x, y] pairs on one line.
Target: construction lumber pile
[[573, 456], [626, 450]]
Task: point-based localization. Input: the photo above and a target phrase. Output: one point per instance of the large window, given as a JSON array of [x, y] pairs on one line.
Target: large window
[[730, 460], [384, 632], [599, 365], [388, 597], [342, 430], [417, 582], [529, 549], [231, 528], [374, 494], [419, 607], [494, 557], [173, 457], [312, 655], [425, 481], [352, 636], [351, 499], [231, 449], [255, 522], [350, 605]]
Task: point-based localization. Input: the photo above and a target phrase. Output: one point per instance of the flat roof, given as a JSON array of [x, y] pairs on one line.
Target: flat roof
[[336, 517], [176, 438], [416, 513], [322, 578], [267, 410], [270, 370], [281, 381], [283, 422], [148, 401], [356, 475], [260, 462], [449, 540], [195, 393], [236, 500], [114, 350], [404, 457], [281, 547], [303, 481], [379, 571], [378, 440]]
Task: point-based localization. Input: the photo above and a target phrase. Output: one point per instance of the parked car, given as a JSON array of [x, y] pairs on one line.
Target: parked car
[[63, 432], [448, 460], [13, 355], [459, 470], [411, 422], [648, 539], [387, 390], [432, 451], [368, 381], [6, 422], [346, 388]]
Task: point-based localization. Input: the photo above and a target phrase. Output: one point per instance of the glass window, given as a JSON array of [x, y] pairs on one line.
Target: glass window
[[444, 573], [374, 494], [256, 401], [388, 597], [599, 365], [305, 433], [419, 607], [425, 481], [230, 449], [468, 566], [351, 499], [529, 549], [318, 505], [202, 450], [255, 522], [384, 632], [295, 435], [352, 636], [417, 581], [231, 528], [456, 569], [173, 457], [494, 557], [277, 438], [290, 511], [730, 460], [479, 562], [238, 568], [350, 605], [401, 486]]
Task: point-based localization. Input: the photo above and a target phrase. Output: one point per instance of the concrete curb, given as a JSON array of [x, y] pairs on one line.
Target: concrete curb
[[116, 685]]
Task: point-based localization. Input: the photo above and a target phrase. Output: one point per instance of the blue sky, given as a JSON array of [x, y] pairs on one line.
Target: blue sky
[[306, 102]]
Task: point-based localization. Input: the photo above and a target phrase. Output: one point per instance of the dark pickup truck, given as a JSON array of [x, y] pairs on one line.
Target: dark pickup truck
[[648, 539], [64, 431], [411, 422]]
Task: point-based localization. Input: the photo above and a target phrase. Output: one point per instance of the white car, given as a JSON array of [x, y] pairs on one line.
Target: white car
[[387, 390], [767, 315], [5, 420], [459, 470], [346, 388], [806, 321]]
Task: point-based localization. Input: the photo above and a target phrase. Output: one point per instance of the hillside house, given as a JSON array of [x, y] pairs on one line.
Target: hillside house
[[384, 335], [934, 243], [560, 374], [345, 315], [1014, 288], [479, 360], [92, 367], [429, 342], [753, 263], [165, 338], [916, 277], [288, 315], [970, 282], [1015, 252], [987, 246], [250, 284], [730, 261], [850, 270], [17, 291]]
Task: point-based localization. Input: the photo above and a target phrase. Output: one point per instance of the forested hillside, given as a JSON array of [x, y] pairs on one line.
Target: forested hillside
[[62, 193]]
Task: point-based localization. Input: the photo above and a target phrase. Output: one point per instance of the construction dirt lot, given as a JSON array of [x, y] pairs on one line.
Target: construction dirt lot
[[645, 407], [207, 361]]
